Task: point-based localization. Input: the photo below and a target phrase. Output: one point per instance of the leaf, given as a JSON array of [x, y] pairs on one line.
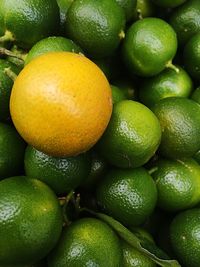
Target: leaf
[[146, 247]]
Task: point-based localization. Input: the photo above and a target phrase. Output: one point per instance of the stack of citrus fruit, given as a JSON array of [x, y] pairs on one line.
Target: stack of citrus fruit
[[99, 133]]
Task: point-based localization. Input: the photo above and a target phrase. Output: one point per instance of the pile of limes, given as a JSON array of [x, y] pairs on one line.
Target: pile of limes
[[99, 133]]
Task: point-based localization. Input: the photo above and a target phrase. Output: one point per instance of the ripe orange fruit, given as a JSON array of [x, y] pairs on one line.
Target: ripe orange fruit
[[61, 103]]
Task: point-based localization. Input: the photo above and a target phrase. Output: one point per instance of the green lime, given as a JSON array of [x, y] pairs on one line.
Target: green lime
[[30, 220], [128, 86], [169, 3], [168, 83], [149, 46], [178, 183], [128, 195], [144, 8], [52, 44], [132, 136], [97, 26], [61, 174], [185, 232], [117, 94], [186, 20], [129, 7], [87, 242], [196, 95], [5, 88], [191, 56], [97, 171], [27, 22], [133, 258], [12, 149], [63, 6], [180, 123]]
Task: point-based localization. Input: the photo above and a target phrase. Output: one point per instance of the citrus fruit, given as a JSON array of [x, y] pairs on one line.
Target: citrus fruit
[[27, 22], [52, 44], [127, 195], [12, 149], [168, 83], [5, 88], [87, 242], [61, 174], [129, 7], [97, 171], [30, 220], [128, 86], [180, 123], [63, 6], [144, 8], [185, 232], [149, 46], [132, 136], [117, 94], [186, 20], [133, 258], [97, 26], [169, 3], [192, 56], [178, 183], [53, 102], [196, 95]]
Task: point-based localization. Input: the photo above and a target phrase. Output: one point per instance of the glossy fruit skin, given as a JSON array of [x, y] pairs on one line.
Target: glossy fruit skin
[[150, 44], [61, 174], [180, 123], [63, 6], [191, 56], [177, 183], [12, 149], [168, 83], [169, 3], [134, 258], [52, 44], [129, 7], [127, 195], [184, 232], [95, 26], [5, 88], [65, 110], [144, 8], [127, 141], [117, 94], [186, 20], [87, 242], [30, 220], [29, 21], [98, 169]]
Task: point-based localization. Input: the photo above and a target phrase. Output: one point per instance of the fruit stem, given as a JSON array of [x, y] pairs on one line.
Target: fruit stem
[[152, 170], [172, 66], [10, 74], [8, 36], [122, 35], [4, 51], [139, 14]]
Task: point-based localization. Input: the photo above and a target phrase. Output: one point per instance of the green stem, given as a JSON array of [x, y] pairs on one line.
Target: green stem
[[7, 37], [170, 65], [139, 14], [10, 74], [122, 35], [4, 51]]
